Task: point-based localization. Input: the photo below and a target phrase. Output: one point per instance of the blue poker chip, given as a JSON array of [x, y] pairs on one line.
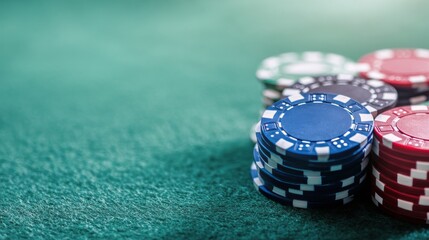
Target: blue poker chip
[[311, 171], [309, 180], [316, 126], [313, 196], [337, 165], [340, 185], [302, 164], [332, 165], [309, 177], [275, 168], [290, 201]]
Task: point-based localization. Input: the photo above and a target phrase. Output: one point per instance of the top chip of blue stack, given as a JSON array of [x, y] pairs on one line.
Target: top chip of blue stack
[[316, 125]]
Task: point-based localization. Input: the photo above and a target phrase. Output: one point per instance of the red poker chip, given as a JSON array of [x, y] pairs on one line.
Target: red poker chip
[[419, 217], [397, 168], [380, 150], [398, 161], [396, 202], [404, 129], [401, 163], [396, 215], [392, 184], [420, 200], [406, 68], [401, 178]]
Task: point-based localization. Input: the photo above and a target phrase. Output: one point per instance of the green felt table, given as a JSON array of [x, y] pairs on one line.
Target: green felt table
[[130, 119]]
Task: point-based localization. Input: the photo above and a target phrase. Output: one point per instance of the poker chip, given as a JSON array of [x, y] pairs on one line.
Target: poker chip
[[286, 200], [404, 129], [340, 164], [316, 125], [413, 100], [308, 177], [400, 162], [300, 155], [339, 185], [421, 202], [417, 191], [314, 196], [375, 95], [400, 214], [389, 207], [394, 165], [283, 70], [400, 178], [396, 203], [419, 162], [399, 67], [407, 93]]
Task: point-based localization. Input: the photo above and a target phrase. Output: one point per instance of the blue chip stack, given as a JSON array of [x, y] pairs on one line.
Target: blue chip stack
[[312, 150]]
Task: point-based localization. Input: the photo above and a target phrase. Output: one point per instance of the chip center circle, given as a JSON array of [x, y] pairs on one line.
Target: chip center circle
[[306, 68], [406, 66], [416, 125], [316, 122]]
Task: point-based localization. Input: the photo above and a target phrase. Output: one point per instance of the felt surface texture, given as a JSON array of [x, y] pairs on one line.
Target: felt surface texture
[[130, 119]]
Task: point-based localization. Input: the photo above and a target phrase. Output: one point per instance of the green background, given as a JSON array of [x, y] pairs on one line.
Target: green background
[[131, 118]]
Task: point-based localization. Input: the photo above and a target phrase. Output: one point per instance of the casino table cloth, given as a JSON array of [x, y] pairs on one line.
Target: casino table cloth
[[130, 119]]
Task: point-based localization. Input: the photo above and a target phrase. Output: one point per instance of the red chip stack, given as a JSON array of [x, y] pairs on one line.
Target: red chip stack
[[400, 171]]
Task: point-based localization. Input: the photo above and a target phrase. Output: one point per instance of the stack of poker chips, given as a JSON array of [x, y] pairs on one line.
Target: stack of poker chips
[[405, 69], [312, 150], [375, 95], [400, 184], [281, 71]]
